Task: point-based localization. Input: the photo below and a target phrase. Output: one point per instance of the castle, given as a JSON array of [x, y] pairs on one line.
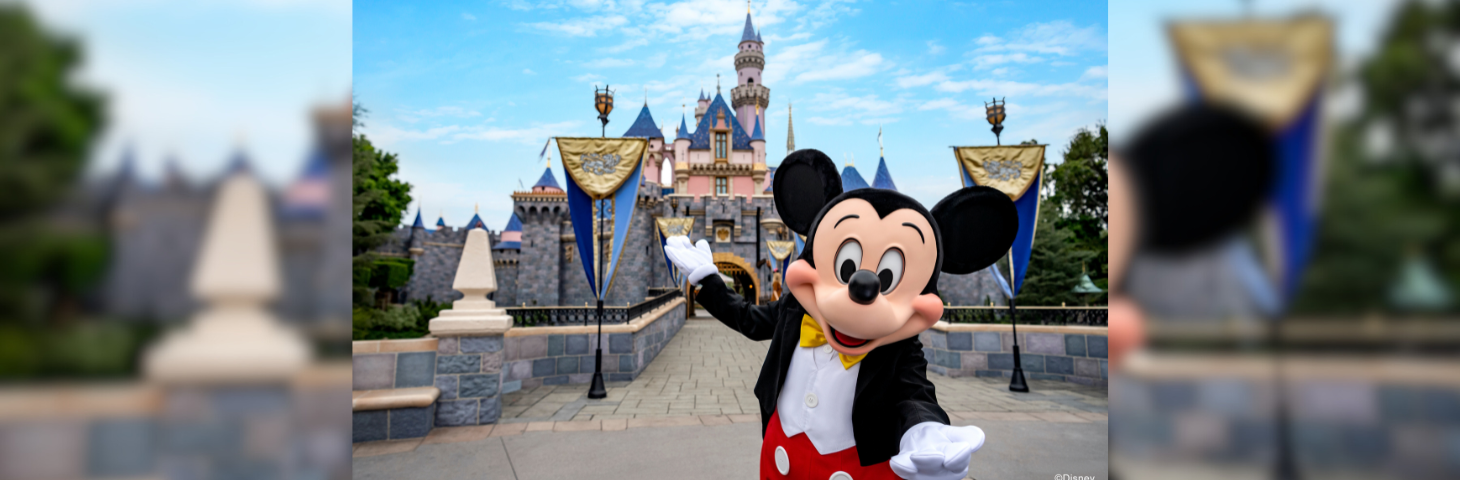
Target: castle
[[720, 179]]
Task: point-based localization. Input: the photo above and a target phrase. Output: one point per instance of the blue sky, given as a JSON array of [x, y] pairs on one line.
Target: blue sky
[[468, 92], [199, 80]]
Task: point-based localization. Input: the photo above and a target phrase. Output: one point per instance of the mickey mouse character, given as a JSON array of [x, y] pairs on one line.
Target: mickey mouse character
[[844, 392]]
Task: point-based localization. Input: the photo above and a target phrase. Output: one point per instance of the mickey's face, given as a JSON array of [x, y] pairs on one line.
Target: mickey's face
[[872, 271], [869, 271]]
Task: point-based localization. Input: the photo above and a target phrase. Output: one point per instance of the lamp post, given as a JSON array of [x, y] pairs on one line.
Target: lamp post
[[603, 101], [995, 115]]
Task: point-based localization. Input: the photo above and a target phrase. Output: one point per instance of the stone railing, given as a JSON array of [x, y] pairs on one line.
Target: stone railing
[[1071, 353], [580, 316], [1088, 316]]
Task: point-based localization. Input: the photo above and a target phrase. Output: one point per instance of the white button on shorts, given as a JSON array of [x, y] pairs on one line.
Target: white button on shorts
[[783, 463], [811, 400]]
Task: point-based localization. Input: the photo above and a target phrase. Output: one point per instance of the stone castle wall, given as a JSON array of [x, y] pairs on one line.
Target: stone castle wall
[[548, 271]]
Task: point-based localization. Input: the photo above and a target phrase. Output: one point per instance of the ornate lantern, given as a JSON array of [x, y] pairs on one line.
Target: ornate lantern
[[995, 112], [603, 101]]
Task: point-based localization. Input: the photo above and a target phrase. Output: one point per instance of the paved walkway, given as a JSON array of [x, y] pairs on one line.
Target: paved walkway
[[701, 383]]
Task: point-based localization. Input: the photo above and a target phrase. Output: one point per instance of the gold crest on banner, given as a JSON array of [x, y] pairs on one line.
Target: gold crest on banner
[[600, 165], [780, 249], [675, 227], [1010, 169], [1271, 68]]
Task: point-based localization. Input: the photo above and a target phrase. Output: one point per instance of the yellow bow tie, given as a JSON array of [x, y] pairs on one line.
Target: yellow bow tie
[[811, 336]]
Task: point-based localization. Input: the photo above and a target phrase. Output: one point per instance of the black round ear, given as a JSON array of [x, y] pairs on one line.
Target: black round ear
[[978, 224], [1202, 172], [805, 182]]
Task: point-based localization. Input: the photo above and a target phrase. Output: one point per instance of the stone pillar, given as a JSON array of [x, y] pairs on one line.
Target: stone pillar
[[469, 352], [228, 406]]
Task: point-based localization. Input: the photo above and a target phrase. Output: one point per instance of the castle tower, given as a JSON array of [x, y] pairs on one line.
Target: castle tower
[[701, 106], [750, 94]]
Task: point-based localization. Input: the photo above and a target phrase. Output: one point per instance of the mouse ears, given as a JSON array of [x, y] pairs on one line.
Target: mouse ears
[[978, 225], [804, 183]]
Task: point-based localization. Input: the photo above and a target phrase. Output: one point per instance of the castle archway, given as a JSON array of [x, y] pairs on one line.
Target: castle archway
[[747, 283]]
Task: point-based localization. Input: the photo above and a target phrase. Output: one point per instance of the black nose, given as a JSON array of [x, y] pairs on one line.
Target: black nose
[[863, 287]]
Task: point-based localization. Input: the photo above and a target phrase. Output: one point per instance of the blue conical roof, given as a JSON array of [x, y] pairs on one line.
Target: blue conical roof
[[419, 224], [851, 180], [440, 223], [514, 224], [739, 139], [770, 178], [683, 128], [547, 180], [755, 133], [476, 222], [749, 35], [644, 126], [883, 179]]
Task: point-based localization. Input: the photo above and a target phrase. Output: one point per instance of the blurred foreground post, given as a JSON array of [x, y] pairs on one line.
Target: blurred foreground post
[[234, 339], [473, 327]]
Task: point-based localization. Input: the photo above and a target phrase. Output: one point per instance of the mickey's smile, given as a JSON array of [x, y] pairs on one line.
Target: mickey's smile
[[846, 340]]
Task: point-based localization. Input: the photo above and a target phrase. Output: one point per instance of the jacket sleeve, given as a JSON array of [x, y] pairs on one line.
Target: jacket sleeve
[[756, 322], [918, 403]]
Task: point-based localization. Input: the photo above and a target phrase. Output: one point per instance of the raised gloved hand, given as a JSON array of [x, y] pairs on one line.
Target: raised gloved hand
[[695, 261], [934, 451]]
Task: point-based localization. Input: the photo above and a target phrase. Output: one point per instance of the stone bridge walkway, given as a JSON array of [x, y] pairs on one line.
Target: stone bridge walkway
[[702, 383]]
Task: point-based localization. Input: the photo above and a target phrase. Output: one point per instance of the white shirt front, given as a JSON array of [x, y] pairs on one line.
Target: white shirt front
[[817, 399]]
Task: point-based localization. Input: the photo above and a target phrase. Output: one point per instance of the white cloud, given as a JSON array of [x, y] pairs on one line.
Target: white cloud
[[939, 104], [1101, 71], [1059, 37], [581, 27], [657, 60], [860, 65], [468, 16], [991, 59], [588, 78], [627, 45], [530, 135], [934, 48], [412, 116], [609, 62], [838, 121], [528, 71], [921, 80], [1013, 88]]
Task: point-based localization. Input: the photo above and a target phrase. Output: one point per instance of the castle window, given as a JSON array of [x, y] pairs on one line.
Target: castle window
[[720, 145], [722, 186]]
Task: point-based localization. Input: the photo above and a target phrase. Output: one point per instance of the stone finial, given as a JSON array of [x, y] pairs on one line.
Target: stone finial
[[475, 278], [235, 339]]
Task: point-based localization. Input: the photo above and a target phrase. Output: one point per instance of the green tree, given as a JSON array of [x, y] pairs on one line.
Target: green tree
[[1054, 263], [380, 200], [47, 126]]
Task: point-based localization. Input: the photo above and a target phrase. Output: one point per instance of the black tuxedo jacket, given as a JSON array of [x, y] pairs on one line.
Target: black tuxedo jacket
[[892, 394]]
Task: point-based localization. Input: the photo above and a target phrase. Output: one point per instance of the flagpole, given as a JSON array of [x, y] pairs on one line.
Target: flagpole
[[597, 390]]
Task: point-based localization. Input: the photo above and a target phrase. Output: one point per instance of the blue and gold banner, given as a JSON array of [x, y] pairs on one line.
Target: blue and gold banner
[[1275, 70], [602, 180], [673, 227], [781, 251], [1016, 171]]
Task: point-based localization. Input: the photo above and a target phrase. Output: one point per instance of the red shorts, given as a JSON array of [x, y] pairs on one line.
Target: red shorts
[[796, 458]]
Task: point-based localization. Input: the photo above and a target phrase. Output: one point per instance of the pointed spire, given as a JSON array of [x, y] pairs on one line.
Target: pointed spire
[[418, 223], [717, 84], [790, 131], [755, 133], [749, 34], [644, 126], [883, 178], [441, 220], [683, 128]]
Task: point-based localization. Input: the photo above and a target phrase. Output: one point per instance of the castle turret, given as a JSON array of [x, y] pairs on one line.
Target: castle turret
[[418, 235], [681, 156], [750, 97], [790, 132], [702, 105], [644, 127]]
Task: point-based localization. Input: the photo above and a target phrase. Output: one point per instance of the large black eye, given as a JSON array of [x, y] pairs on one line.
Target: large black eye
[[848, 260], [889, 270]]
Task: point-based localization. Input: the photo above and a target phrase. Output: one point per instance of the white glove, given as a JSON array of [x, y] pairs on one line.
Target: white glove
[[934, 451], [696, 261]]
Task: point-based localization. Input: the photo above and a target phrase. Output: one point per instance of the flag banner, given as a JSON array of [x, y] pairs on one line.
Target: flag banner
[[1274, 69], [602, 180], [673, 227], [999, 278], [601, 165], [1014, 170], [781, 251], [1011, 169]]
